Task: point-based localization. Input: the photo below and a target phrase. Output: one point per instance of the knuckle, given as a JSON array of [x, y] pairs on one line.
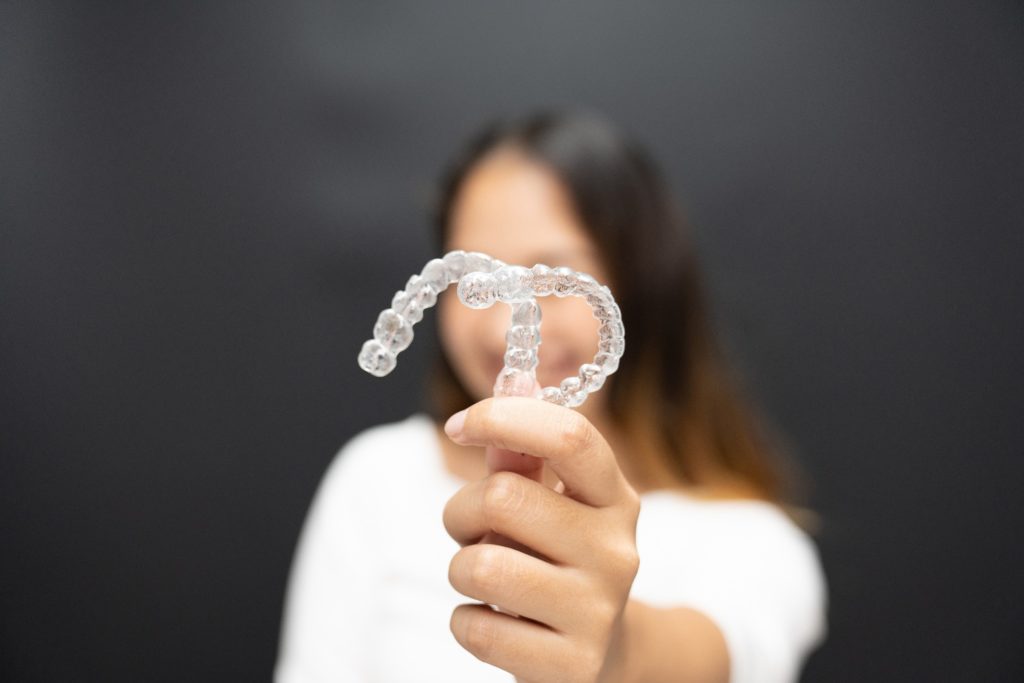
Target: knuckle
[[502, 497], [622, 560], [632, 560], [456, 569], [632, 502], [603, 614], [486, 569], [628, 562], [447, 516], [575, 432]]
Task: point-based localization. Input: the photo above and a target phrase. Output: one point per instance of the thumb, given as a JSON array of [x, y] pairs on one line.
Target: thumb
[[502, 460]]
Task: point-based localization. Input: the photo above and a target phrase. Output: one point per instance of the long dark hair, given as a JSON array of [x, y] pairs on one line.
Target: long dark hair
[[672, 394]]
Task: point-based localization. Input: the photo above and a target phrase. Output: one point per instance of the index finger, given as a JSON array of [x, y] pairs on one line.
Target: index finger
[[572, 446]]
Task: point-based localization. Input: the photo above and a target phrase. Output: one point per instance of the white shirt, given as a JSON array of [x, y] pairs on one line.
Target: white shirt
[[369, 598]]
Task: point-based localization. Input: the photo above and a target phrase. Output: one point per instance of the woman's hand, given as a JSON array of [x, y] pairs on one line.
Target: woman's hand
[[574, 558]]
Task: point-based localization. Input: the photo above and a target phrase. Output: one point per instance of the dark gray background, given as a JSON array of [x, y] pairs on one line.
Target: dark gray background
[[204, 207]]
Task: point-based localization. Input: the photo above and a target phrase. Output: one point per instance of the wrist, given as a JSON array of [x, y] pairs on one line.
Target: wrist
[[625, 661]]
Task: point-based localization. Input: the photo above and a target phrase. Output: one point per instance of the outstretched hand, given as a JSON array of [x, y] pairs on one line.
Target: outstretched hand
[[562, 560]]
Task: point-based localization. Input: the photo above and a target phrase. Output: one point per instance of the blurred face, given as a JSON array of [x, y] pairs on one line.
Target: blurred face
[[517, 210]]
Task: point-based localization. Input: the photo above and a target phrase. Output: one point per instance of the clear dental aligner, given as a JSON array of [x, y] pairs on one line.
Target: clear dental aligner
[[483, 281]]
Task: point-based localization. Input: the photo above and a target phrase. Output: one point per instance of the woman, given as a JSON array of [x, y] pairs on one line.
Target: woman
[[643, 542]]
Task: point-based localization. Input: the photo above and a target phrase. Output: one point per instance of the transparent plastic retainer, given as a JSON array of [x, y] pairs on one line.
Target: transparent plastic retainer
[[483, 281]]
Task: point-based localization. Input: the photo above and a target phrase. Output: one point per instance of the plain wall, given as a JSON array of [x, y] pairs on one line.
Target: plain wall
[[203, 206]]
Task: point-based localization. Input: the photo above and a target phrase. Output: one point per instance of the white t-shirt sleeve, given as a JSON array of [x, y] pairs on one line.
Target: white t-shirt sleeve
[[773, 614], [332, 577], [754, 573]]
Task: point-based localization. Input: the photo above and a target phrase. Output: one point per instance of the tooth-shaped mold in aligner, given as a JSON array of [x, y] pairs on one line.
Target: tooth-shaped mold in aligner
[[482, 281]]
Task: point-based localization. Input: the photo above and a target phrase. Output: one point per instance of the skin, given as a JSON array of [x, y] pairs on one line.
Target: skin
[[547, 520], [518, 212]]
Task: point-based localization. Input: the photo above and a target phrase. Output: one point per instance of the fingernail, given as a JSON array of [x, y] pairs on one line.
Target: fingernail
[[453, 427]]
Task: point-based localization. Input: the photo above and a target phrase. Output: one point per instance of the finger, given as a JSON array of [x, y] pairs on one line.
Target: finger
[[524, 511], [523, 648], [517, 582], [572, 446], [503, 460]]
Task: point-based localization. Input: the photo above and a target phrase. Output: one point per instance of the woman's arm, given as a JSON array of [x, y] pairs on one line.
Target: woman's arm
[[669, 645], [565, 564]]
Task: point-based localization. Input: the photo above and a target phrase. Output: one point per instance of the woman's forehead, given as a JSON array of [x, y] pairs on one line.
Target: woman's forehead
[[518, 211]]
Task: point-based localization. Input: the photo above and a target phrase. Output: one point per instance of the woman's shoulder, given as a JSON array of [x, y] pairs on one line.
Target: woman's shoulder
[[717, 515], [372, 457], [389, 437], [745, 563], [739, 540], [743, 526]]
